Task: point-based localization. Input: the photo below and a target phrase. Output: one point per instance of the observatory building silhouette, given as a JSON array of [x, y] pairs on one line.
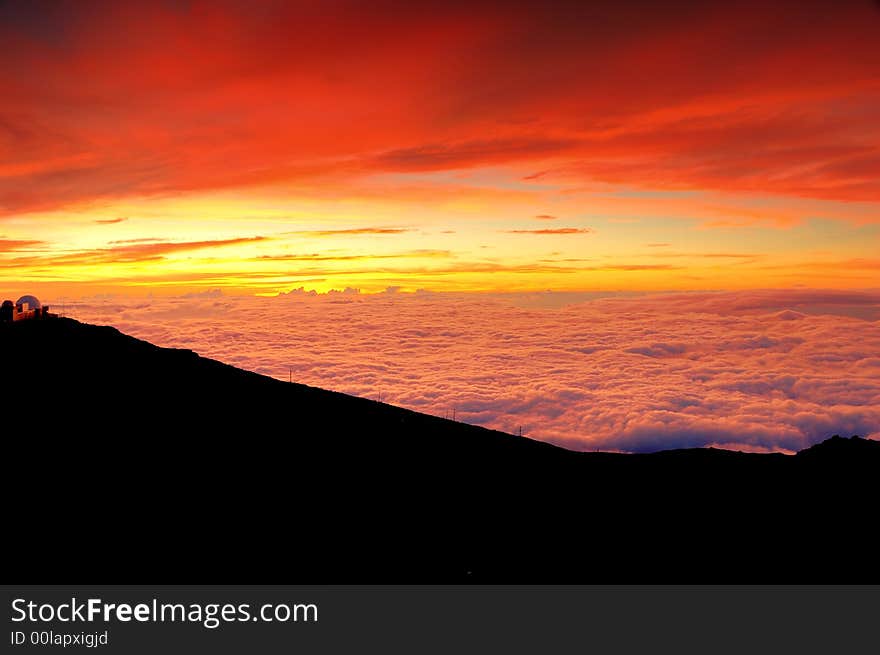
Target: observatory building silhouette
[[26, 307]]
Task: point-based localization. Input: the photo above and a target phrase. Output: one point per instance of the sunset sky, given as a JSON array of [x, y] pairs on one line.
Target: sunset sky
[[620, 225], [257, 147]]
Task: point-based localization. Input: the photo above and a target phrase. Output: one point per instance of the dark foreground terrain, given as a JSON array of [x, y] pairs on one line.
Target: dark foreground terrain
[[126, 462]]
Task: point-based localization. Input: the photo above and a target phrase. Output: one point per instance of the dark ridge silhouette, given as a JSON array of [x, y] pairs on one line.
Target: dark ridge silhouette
[[839, 449], [130, 462]]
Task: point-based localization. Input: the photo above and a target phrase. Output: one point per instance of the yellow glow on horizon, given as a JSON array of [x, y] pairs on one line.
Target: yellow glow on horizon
[[263, 242]]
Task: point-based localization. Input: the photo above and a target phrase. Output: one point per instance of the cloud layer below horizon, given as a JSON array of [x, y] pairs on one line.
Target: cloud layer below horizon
[[754, 370]]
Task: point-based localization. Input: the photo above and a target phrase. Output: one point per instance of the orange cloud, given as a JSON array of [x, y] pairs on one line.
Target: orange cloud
[[128, 253], [12, 245], [315, 257], [351, 231], [558, 230]]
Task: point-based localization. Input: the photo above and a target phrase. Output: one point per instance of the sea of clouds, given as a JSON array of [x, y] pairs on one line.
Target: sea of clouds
[[754, 370]]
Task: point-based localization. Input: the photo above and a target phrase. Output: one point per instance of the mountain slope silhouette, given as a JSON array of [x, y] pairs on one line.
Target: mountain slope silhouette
[[151, 464]]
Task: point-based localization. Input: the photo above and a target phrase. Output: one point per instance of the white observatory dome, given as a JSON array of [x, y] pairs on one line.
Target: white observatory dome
[[31, 301]]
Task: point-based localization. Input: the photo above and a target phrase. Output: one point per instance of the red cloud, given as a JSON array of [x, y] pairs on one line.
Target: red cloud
[[470, 154], [158, 98]]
